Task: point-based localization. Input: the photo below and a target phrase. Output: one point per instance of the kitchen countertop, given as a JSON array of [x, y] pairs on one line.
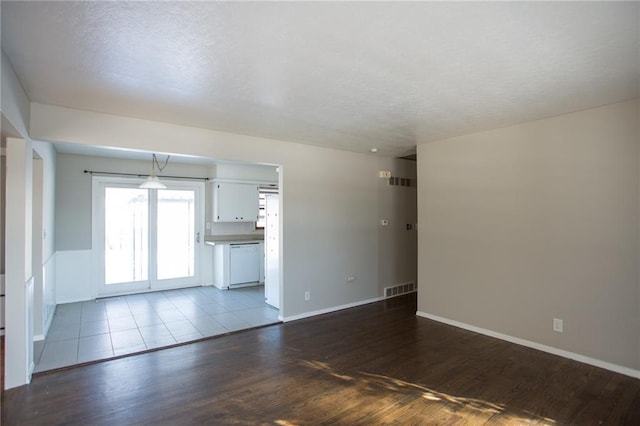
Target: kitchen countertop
[[228, 239]]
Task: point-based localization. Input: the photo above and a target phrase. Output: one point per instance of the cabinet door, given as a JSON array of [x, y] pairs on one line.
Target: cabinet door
[[235, 202]]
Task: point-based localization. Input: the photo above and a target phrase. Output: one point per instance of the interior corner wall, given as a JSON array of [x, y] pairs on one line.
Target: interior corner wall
[[48, 154], [397, 241], [537, 221], [14, 100], [46, 300], [3, 177], [3, 203]]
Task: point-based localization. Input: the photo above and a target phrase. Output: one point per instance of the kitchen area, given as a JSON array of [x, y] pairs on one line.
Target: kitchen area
[[236, 236], [243, 234]]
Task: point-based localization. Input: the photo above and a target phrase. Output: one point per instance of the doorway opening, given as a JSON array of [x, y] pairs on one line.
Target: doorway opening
[[151, 274]]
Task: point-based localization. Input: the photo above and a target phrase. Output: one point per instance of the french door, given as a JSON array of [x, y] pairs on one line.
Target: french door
[[146, 239]]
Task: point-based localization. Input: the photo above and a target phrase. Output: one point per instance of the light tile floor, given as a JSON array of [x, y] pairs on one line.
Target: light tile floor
[[101, 329]]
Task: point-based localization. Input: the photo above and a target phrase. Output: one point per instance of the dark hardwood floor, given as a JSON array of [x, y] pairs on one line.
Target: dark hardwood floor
[[373, 364]]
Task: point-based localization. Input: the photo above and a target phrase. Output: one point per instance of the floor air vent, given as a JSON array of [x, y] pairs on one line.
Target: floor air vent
[[399, 289]]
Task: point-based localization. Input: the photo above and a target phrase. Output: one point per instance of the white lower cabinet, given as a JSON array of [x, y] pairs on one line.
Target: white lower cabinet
[[238, 264]]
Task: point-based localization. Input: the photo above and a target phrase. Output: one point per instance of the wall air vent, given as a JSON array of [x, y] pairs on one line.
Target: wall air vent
[[400, 181], [397, 290]]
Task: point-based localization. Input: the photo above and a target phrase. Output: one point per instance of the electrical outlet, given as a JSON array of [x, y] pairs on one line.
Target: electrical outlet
[[384, 174], [558, 325], [351, 278], [307, 295]]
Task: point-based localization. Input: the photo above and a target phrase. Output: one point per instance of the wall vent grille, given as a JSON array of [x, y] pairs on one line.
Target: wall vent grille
[[397, 290], [400, 181]]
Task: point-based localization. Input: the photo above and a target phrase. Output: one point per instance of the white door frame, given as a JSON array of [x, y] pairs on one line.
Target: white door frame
[[152, 284]]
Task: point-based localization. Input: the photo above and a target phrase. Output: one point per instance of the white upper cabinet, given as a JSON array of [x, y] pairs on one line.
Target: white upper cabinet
[[235, 202]]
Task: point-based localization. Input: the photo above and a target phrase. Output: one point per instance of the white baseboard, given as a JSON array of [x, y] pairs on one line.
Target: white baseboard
[[329, 310], [544, 348]]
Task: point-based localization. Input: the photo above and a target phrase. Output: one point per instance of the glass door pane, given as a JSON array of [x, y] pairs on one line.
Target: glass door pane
[[126, 235], [176, 224]]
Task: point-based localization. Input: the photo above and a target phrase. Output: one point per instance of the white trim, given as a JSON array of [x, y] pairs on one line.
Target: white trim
[[329, 310], [50, 273], [47, 325], [2, 301], [544, 348]]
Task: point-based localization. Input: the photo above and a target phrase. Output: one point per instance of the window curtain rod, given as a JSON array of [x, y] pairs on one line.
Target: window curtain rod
[[95, 172]]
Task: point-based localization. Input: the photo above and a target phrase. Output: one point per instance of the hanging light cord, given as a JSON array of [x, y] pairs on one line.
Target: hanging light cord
[[156, 164]]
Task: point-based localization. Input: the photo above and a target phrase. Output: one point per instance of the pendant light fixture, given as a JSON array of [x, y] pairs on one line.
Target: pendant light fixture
[[152, 181]]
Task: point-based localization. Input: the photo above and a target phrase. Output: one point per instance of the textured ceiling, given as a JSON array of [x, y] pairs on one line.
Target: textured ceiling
[[345, 75]]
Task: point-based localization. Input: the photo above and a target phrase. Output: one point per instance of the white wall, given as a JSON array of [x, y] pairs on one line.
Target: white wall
[[3, 178], [18, 274], [521, 225], [329, 198], [15, 104], [18, 324], [18, 233], [37, 231], [46, 289], [249, 172]]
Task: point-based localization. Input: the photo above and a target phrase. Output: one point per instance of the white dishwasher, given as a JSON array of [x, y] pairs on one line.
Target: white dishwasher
[[244, 263]]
